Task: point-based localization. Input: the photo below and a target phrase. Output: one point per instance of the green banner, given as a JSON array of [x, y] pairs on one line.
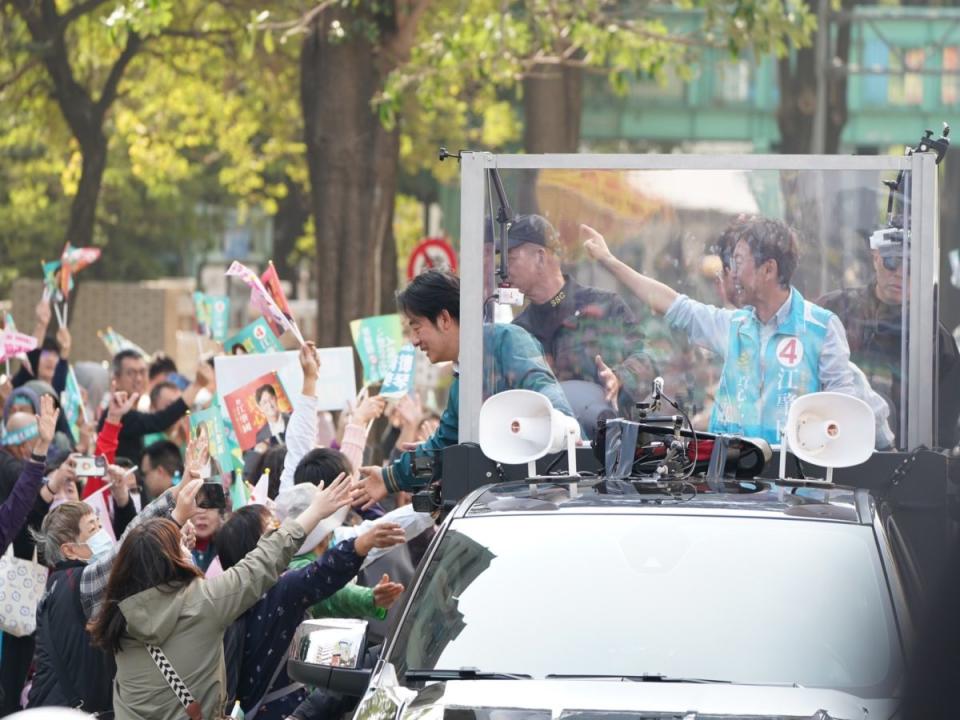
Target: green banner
[[222, 458], [378, 339], [257, 337]]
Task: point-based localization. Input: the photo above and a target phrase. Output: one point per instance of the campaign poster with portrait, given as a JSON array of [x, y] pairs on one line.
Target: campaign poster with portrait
[[259, 410]]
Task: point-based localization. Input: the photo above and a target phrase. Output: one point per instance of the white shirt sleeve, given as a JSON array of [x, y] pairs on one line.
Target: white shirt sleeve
[[706, 325], [301, 436]]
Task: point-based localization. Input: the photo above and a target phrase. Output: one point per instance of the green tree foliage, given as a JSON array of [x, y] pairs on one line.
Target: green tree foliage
[[193, 123], [466, 72]]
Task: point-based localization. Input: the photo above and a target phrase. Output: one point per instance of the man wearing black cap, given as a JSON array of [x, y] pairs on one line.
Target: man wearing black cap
[[586, 333], [872, 317]]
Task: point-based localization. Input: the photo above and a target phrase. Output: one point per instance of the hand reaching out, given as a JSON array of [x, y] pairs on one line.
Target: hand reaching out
[[386, 593], [381, 535]]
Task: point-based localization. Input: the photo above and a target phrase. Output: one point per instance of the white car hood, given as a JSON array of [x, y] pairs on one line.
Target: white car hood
[[566, 697]]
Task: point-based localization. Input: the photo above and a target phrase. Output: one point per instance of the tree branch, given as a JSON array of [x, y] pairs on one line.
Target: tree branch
[[79, 10], [399, 47], [109, 92], [19, 73]]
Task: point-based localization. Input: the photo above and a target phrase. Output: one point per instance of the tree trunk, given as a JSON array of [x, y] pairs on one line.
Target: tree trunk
[[552, 99], [352, 161], [552, 105], [83, 209], [288, 225], [797, 75]]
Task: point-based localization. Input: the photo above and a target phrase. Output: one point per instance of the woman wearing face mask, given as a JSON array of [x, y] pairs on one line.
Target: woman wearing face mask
[[69, 670]]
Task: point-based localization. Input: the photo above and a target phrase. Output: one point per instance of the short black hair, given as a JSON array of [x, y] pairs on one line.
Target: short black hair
[[239, 535], [430, 293], [161, 365], [267, 387], [159, 388], [770, 239], [118, 359], [321, 465], [165, 454]]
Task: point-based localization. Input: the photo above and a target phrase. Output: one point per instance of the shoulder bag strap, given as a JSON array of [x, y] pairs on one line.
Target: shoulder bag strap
[[192, 707]]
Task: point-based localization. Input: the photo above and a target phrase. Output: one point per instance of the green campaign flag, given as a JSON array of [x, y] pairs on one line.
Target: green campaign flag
[[210, 422], [257, 337], [213, 315], [399, 381], [378, 340], [71, 402]]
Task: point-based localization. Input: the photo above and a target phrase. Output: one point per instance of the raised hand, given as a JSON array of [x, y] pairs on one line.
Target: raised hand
[[46, 424], [594, 243], [309, 360], [386, 593], [118, 484], [381, 535], [186, 506], [120, 404], [370, 409], [197, 455], [327, 500]]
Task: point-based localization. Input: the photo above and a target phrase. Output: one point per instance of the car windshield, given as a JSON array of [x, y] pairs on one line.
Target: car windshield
[[760, 601]]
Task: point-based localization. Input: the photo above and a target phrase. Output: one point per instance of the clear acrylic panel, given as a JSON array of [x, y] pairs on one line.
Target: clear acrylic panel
[[754, 324]]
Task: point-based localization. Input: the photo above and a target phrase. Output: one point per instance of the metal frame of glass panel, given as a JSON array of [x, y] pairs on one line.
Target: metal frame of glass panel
[[924, 254]]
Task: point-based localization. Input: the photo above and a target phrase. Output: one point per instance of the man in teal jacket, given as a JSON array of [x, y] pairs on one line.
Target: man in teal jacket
[[431, 304]]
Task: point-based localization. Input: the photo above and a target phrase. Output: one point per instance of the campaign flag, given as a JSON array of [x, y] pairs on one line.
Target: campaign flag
[[116, 342], [209, 422], [13, 343], [378, 340], [271, 282], [399, 380], [239, 492], [78, 258], [257, 337], [213, 315], [10, 326], [262, 300], [98, 503], [51, 280], [260, 410], [71, 402], [260, 494], [72, 261]]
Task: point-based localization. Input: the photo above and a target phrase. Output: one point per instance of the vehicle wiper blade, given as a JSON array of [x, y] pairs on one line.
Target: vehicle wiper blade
[[464, 673], [646, 677]]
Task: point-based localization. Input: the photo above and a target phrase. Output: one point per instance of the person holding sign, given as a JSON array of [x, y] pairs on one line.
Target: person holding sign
[[776, 345], [431, 303]]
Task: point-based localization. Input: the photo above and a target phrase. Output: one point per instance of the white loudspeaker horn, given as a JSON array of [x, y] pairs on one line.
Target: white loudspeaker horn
[[521, 426], [831, 430]]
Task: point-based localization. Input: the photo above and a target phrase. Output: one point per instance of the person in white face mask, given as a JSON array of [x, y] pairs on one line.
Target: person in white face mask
[[79, 551]]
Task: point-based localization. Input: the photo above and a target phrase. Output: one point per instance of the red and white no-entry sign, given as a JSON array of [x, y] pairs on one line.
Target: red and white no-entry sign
[[431, 253]]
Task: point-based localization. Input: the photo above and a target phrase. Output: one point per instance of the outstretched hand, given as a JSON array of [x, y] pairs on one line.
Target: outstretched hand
[[369, 488], [381, 535], [386, 593]]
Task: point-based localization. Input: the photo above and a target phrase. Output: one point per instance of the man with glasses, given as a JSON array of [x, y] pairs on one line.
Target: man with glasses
[[130, 376], [872, 316]]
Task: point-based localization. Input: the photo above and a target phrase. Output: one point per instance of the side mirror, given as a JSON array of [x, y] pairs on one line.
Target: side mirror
[[328, 653]]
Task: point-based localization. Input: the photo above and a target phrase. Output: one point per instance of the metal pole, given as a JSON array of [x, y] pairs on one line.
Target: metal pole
[[818, 143], [472, 199]]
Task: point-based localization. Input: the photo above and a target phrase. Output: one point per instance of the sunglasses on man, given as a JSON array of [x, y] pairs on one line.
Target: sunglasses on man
[[892, 262]]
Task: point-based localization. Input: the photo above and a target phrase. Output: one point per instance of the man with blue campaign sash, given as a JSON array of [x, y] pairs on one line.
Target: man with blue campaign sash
[[775, 344]]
